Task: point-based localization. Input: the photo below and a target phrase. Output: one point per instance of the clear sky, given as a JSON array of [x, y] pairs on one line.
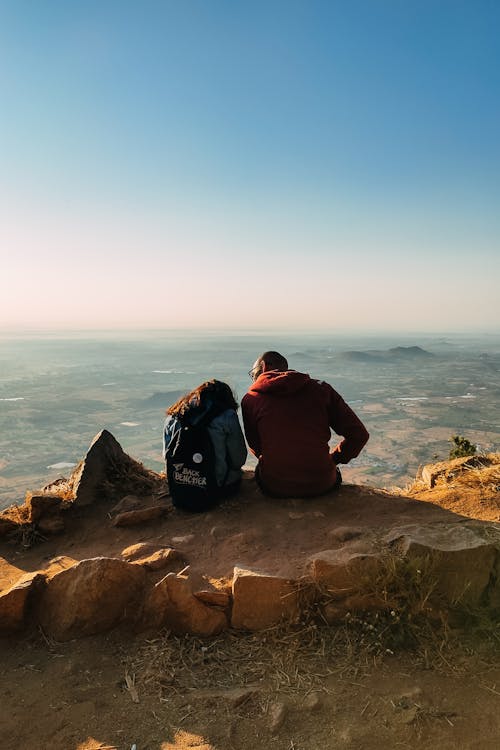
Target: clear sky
[[322, 165]]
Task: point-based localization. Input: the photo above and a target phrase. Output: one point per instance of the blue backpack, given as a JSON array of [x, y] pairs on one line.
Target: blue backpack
[[190, 460]]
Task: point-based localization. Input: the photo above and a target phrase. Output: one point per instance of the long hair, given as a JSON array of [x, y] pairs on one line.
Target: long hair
[[212, 393]]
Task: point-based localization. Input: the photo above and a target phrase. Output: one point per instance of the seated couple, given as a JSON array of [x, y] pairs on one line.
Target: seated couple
[[288, 417]]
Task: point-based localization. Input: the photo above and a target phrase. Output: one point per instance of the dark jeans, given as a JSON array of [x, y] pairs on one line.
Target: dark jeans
[[258, 479]]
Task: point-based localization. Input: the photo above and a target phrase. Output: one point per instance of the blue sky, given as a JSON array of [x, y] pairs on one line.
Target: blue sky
[[322, 165]]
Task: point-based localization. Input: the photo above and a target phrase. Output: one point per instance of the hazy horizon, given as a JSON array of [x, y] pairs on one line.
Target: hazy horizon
[[412, 392]]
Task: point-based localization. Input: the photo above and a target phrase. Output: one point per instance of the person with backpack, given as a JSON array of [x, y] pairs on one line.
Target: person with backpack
[[203, 447]]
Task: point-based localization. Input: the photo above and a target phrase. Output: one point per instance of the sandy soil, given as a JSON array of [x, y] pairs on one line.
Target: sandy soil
[[74, 696]]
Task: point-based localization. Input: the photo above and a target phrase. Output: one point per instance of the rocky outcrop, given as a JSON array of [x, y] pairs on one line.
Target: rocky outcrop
[[105, 473], [443, 561], [104, 466]]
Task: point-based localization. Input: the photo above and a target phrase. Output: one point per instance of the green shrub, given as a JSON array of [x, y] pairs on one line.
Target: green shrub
[[461, 447]]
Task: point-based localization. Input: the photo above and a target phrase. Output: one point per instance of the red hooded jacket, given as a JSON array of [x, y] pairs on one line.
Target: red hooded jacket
[[287, 418]]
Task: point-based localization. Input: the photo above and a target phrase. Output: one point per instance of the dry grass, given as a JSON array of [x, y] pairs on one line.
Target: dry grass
[[409, 618], [280, 659], [131, 478]]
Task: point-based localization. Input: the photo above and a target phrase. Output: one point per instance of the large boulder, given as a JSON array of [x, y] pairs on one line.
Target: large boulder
[[14, 602], [261, 600], [172, 604], [90, 597], [459, 562]]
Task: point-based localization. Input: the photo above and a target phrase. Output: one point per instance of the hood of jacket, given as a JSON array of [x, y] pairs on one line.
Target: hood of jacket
[[280, 383]]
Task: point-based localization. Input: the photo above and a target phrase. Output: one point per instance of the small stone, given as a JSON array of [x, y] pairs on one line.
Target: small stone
[[277, 716], [133, 517], [237, 696], [295, 516], [214, 598], [345, 533], [129, 502], [183, 539], [312, 702], [152, 557]]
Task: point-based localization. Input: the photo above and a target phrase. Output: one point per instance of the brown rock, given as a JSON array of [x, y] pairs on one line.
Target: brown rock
[[14, 602], [172, 604], [460, 561], [343, 571], [312, 701], [107, 469], [183, 539], [133, 517], [51, 525], [345, 533], [152, 557], [214, 598], [261, 600], [41, 505], [277, 715], [88, 477], [129, 502], [57, 564], [7, 525], [90, 597], [204, 590]]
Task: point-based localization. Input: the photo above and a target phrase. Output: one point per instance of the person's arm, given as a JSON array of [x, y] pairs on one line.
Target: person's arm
[[250, 425], [347, 424], [235, 443]]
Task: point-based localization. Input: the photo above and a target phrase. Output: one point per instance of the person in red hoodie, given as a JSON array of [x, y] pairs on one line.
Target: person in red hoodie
[[288, 417]]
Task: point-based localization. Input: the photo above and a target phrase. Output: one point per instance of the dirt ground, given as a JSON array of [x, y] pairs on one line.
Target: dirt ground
[[303, 689]]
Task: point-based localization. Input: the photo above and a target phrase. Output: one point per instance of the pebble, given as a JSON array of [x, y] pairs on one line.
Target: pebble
[[277, 716]]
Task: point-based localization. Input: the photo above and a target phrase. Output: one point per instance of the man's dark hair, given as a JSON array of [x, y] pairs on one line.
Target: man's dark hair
[[274, 361]]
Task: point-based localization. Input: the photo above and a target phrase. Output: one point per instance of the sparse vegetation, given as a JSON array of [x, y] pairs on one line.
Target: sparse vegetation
[[461, 447]]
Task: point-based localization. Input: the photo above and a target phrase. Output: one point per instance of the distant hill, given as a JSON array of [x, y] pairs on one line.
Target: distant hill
[[400, 353], [409, 352], [162, 400]]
